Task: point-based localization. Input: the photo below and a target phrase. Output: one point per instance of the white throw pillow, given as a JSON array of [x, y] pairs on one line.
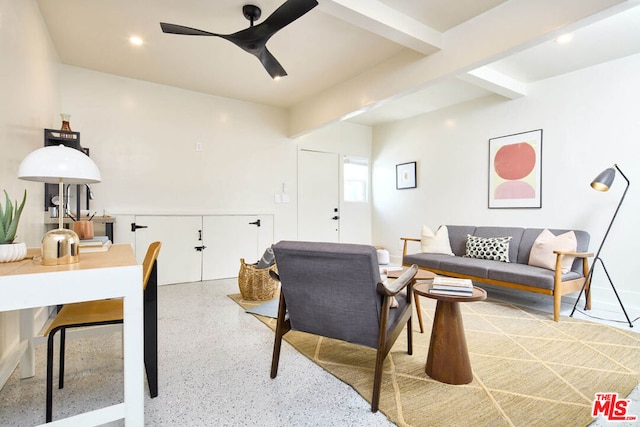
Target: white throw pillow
[[435, 243], [542, 250]]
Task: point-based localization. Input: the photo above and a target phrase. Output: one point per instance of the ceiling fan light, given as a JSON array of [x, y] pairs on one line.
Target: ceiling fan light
[[136, 41], [564, 38]]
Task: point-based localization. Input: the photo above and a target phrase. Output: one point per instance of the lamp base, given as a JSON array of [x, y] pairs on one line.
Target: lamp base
[[60, 247]]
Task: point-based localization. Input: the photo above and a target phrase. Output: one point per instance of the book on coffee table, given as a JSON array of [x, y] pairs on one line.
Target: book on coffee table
[[451, 293], [451, 286]]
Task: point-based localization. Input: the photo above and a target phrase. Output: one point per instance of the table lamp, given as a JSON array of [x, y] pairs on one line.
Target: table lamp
[[58, 164]]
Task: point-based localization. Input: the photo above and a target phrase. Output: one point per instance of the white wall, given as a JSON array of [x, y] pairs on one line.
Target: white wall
[[346, 139], [589, 120], [143, 136], [29, 91]]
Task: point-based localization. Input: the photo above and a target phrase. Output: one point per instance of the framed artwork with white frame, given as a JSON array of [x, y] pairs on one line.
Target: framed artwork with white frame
[[515, 170]]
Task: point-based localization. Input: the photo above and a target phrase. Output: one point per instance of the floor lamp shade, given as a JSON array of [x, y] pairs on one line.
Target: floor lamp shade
[[603, 181], [59, 164]]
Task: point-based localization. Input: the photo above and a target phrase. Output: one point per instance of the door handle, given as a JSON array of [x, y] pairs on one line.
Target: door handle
[[135, 226], [200, 248], [256, 223], [335, 218]]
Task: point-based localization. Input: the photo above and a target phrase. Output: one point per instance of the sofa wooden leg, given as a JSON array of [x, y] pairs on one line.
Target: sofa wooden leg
[[557, 299]]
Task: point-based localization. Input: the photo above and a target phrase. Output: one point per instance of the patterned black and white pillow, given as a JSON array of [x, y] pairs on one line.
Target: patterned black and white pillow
[[493, 248]]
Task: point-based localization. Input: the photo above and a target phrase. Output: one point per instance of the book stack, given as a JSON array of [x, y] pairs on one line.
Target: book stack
[[451, 286], [97, 244]]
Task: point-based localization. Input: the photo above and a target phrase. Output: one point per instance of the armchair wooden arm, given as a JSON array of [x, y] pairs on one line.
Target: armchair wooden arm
[[575, 254], [407, 239], [575, 284], [399, 284]]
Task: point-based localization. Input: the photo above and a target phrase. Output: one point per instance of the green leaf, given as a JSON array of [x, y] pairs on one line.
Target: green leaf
[[11, 218]]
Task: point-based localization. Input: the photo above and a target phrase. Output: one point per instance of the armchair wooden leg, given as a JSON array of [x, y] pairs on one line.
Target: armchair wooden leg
[[409, 338], [377, 379], [416, 298], [276, 356], [557, 299], [282, 328]]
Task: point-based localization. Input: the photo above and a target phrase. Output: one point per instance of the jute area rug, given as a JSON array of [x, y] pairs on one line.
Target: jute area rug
[[527, 369]]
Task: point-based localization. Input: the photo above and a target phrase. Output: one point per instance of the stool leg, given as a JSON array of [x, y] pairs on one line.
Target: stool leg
[[49, 399], [63, 338]]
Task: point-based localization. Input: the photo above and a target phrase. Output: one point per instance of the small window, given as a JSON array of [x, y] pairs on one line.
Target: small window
[[356, 179]]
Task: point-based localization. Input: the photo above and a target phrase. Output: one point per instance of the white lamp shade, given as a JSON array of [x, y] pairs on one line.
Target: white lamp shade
[[49, 164]]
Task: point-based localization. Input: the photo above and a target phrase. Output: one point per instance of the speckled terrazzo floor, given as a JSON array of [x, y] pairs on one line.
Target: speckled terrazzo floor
[[214, 363]]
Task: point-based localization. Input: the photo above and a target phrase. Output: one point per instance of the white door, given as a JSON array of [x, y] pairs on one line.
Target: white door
[[318, 196], [228, 238], [179, 260]]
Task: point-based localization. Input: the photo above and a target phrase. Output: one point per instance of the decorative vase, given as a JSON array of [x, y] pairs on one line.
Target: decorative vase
[[10, 252], [65, 122], [84, 229]]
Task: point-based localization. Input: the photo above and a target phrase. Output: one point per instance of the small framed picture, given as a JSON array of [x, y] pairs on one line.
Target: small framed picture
[[406, 175]]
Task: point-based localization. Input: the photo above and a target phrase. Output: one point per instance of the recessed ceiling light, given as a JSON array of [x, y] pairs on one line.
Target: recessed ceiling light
[[564, 38], [135, 40]]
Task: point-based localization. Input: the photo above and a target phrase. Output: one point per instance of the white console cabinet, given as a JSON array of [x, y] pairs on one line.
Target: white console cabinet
[[198, 247]]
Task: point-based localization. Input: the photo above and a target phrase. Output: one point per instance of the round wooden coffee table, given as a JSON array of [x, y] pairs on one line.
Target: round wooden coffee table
[[448, 358], [420, 275]]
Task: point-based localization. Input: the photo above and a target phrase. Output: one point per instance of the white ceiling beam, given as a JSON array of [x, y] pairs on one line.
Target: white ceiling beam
[[380, 19], [508, 28], [493, 81]]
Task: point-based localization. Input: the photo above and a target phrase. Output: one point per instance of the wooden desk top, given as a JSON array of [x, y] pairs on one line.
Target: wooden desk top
[[120, 255]]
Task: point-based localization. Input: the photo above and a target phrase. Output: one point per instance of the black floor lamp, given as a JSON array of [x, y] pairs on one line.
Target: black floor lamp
[[602, 183]]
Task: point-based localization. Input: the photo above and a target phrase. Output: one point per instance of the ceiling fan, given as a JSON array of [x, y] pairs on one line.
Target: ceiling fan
[[254, 38]]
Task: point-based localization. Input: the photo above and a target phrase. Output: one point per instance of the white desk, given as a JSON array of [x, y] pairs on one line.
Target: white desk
[[99, 275]]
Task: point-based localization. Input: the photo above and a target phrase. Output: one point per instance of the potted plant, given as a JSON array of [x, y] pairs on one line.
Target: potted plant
[[9, 219]]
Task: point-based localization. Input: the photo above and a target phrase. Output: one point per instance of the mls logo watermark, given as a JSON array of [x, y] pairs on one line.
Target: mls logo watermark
[[612, 408]]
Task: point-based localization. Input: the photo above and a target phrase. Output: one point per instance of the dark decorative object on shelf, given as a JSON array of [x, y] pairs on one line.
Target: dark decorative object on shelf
[[72, 140]]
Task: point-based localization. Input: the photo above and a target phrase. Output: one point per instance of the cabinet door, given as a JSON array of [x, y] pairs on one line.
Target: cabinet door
[[229, 238], [178, 261]]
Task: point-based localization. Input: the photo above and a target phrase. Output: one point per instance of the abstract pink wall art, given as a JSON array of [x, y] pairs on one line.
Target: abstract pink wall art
[[515, 170]]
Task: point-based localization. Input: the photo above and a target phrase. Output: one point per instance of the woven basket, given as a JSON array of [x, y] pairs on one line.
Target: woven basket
[[256, 284]]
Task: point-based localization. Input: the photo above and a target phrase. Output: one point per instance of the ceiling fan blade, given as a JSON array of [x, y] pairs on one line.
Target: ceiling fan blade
[[254, 38], [187, 31], [271, 64], [288, 12]]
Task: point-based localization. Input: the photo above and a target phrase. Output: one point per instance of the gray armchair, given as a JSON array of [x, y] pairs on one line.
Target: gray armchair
[[334, 290]]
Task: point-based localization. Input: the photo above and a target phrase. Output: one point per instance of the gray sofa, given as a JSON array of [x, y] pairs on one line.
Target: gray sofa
[[516, 274]]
